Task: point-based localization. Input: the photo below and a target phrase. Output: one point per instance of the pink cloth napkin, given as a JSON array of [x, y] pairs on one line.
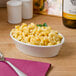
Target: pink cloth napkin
[[31, 68]]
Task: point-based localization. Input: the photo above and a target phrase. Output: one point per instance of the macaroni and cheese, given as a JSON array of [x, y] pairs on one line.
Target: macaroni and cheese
[[35, 35]]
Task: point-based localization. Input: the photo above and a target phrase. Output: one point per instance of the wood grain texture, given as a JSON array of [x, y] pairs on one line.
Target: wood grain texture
[[62, 65], [3, 3]]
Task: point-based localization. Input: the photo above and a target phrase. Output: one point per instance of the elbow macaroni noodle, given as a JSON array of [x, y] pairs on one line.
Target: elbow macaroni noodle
[[32, 34]]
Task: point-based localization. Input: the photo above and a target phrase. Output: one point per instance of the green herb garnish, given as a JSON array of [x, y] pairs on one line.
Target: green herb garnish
[[40, 25], [45, 24]]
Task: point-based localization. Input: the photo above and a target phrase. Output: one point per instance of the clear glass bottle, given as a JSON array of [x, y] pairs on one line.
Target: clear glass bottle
[[69, 13]]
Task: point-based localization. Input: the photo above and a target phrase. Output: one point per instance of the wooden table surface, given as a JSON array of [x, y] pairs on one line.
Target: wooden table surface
[[62, 65]]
